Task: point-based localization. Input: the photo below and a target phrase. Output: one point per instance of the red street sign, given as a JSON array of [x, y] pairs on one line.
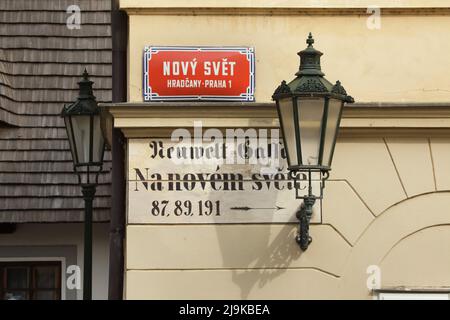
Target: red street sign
[[199, 73]]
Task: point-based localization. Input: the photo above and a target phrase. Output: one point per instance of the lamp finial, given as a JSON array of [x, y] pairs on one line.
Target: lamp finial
[[85, 74], [310, 40]]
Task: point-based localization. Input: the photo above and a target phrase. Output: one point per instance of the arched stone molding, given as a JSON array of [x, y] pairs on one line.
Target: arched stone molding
[[383, 243]]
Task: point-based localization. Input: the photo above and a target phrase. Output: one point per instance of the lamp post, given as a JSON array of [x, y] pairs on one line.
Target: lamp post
[[82, 120], [309, 109]]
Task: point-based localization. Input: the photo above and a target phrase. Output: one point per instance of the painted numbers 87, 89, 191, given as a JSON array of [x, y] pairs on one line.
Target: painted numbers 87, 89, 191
[[166, 208]]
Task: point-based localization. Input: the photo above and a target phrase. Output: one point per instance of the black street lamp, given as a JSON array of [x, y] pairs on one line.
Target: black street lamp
[[82, 120], [310, 110]]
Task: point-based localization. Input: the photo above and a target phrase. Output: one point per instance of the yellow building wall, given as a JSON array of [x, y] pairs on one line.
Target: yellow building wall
[[386, 203], [376, 211], [149, 6], [400, 62]]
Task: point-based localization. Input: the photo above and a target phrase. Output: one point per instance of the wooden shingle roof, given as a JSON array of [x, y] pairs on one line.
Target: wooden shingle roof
[[41, 61]]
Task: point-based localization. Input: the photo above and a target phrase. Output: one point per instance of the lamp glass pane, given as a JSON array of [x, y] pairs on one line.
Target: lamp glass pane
[[310, 113], [287, 123], [71, 138], [98, 141], [81, 132], [333, 119]]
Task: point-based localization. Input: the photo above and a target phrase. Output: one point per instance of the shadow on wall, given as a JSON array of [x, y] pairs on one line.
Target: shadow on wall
[[277, 257], [265, 257]]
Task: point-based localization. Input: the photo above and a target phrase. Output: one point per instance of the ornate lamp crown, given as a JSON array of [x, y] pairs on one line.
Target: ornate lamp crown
[[85, 103], [310, 79], [86, 87], [310, 60]]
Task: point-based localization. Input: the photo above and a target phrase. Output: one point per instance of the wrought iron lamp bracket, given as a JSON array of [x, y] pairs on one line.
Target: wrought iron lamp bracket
[[304, 214], [305, 210]]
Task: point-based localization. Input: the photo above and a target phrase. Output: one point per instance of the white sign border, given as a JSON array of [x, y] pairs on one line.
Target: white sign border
[[249, 96]]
